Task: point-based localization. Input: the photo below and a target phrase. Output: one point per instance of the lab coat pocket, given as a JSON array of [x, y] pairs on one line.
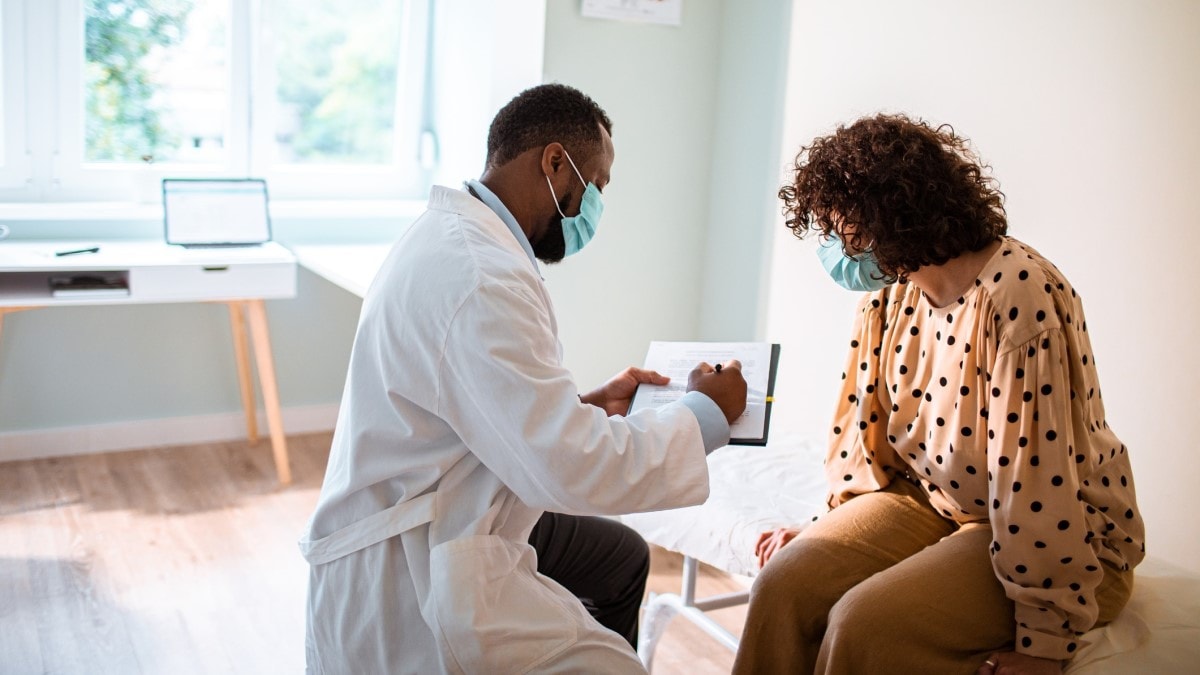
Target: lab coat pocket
[[494, 613]]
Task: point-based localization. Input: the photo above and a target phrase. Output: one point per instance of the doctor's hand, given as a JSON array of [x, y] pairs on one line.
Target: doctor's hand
[[726, 386], [616, 394], [770, 542]]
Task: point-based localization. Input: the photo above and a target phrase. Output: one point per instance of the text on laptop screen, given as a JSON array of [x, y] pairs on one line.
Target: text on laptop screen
[[199, 212]]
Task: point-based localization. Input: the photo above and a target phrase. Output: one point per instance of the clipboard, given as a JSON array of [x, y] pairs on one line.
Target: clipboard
[[770, 400], [760, 363]]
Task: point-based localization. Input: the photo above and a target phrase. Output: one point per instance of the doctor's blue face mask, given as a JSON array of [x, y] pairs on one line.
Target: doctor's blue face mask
[[579, 229], [857, 273]]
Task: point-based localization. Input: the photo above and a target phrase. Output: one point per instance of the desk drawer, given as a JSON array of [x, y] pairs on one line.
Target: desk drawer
[[213, 282]]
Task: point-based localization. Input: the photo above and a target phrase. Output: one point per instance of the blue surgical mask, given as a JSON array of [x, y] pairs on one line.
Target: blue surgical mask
[[857, 273], [579, 229]]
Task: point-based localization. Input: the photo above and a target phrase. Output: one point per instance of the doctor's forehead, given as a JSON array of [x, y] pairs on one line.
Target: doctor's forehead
[[604, 159]]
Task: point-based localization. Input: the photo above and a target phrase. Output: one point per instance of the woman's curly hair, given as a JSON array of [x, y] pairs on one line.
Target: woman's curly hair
[[916, 195]]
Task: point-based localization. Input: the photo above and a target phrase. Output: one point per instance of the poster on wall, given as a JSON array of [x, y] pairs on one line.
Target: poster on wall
[[665, 12]]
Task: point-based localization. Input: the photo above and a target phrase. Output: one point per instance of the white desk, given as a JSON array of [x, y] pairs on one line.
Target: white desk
[[154, 272], [348, 266]]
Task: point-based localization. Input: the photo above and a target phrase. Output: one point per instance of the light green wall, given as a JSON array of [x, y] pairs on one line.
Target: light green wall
[[743, 207], [640, 277], [72, 366], [695, 112], [696, 118]]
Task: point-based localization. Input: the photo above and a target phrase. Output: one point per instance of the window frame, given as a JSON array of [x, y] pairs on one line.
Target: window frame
[[56, 32], [15, 166]]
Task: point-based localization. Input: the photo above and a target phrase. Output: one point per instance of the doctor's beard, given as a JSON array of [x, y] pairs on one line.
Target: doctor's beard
[[551, 248]]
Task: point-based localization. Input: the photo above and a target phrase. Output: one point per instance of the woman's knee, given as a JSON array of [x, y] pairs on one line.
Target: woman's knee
[[863, 616], [862, 613], [792, 579]]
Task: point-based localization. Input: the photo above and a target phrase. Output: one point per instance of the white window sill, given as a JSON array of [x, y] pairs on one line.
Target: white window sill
[[280, 209]]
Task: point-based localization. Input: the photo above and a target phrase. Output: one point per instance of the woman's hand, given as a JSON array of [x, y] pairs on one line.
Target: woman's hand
[[770, 542], [616, 394], [1012, 663]]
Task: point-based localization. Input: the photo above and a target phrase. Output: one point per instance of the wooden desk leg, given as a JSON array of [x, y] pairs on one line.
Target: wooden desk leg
[[266, 380], [241, 350]]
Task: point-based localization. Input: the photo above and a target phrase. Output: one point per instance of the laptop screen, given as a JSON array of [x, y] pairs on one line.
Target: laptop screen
[[216, 211]]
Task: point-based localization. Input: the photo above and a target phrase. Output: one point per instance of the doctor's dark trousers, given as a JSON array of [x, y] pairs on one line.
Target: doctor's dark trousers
[[600, 561]]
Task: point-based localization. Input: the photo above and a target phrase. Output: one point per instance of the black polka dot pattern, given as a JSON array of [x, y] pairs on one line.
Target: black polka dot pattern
[[980, 400]]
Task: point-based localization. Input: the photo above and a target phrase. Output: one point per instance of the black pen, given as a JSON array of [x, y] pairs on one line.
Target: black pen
[[93, 249], [717, 368]]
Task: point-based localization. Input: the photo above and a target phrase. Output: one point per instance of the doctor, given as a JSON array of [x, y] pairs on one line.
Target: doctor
[[460, 427]]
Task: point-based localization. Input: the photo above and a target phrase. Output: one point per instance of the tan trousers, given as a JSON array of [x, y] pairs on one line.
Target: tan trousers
[[883, 584]]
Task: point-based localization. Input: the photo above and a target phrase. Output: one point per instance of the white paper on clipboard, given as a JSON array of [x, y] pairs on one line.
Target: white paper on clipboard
[[677, 359]]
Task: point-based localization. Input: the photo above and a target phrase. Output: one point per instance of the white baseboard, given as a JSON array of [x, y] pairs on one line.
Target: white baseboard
[[157, 433]]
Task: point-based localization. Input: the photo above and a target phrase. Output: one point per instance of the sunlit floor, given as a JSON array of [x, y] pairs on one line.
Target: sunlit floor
[[183, 560]]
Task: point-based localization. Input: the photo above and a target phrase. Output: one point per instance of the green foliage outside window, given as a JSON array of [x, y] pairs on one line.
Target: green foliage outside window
[[124, 120], [336, 88], [336, 67]]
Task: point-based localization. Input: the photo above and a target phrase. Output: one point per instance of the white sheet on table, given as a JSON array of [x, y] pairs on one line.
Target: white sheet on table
[[1157, 632], [754, 489]]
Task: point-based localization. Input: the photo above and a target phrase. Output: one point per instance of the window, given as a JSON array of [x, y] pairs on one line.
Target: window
[[340, 93], [3, 42], [14, 165], [155, 81], [324, 98]]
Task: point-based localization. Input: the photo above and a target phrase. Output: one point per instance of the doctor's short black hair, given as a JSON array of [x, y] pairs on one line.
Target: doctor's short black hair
[[542, 115]]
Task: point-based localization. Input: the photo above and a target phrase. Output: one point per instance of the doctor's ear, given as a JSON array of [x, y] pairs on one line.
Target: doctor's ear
[[553, 158]]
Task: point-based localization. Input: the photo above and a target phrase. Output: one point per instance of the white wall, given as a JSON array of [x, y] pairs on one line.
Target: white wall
[[1088, 111]]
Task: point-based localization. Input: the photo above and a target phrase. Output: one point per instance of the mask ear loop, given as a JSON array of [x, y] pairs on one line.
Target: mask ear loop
[[577, 174], [551, 185]]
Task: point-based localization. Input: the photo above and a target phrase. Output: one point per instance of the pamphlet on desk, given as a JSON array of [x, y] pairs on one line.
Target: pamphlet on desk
[[96, 285], [677, 359]]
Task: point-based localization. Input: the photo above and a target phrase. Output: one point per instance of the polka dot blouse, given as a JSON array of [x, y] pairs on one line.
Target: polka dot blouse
[[992, 403]]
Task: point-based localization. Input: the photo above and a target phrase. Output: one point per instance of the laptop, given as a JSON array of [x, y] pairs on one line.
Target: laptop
[[215, 212]]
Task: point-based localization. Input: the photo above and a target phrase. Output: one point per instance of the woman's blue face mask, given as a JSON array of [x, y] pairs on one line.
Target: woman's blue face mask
[[857, 273], [579, 229]]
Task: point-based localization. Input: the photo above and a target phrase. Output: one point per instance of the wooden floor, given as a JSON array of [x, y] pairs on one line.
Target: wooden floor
[[183, 560]]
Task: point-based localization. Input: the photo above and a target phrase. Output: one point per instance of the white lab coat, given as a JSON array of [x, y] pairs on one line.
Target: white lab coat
[[459, 426]]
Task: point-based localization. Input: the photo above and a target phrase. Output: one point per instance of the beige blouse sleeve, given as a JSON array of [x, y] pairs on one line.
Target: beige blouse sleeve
[[1041, 548], [858, 445]]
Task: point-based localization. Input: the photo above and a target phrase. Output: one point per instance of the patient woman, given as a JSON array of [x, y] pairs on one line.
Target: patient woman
[[982, 512]]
